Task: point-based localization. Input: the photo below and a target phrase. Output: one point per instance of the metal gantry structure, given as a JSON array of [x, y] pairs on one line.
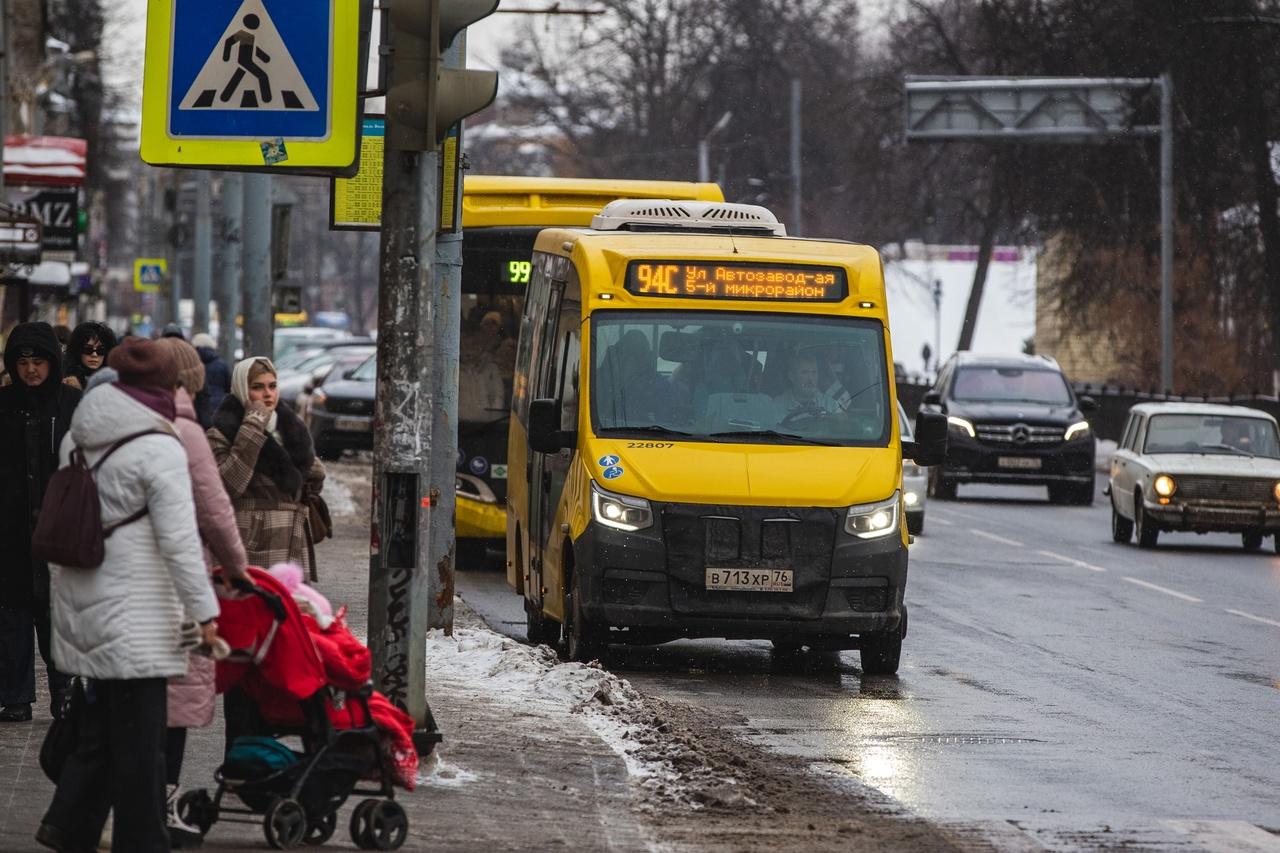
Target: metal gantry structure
[[1055, 110]]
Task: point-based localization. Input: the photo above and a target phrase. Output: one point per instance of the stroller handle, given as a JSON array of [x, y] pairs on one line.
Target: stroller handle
[[272, 600]]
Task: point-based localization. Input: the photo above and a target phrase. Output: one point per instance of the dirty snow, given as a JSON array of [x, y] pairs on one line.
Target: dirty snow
[[337, 494], [499, 669]]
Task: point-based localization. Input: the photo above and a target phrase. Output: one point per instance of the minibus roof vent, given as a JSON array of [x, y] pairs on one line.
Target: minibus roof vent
[[633, 214]]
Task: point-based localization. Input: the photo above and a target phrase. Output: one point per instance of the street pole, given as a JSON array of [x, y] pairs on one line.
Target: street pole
[[704, 160], [937, 324], [796, 224], [256, 240], [406, 498], [228, 293], [1166, 231], [4, 85], [202, 277]]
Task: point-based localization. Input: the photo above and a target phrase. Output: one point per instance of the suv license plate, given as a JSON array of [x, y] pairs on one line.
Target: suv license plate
[[352, 424], [749, 580], [1025, 463]]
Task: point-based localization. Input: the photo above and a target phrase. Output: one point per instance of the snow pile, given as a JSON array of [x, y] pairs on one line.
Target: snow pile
[[337, 495], [494, 668]]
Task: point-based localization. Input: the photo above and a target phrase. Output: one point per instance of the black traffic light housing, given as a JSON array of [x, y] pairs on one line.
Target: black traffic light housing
[[424, 98]]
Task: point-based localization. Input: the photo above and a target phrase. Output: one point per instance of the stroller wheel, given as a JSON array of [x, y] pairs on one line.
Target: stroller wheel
[[285, 824], [321, 830], [388, 825], [360, 833], [195, 808]]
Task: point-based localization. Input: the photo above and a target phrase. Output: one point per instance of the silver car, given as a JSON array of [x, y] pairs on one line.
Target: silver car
[[915, 480], [1196, 467]]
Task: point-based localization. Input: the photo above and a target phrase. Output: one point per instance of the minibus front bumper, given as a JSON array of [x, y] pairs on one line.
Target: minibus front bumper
[[633, 582]]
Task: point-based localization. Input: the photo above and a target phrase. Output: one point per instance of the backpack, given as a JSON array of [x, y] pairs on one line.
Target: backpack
[[253, 757], [69, 531]]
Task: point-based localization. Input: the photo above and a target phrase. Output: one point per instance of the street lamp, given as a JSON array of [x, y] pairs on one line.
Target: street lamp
[[704, 147]]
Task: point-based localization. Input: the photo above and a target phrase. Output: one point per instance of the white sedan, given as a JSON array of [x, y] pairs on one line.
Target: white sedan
[[1196, 467], [915, 480]]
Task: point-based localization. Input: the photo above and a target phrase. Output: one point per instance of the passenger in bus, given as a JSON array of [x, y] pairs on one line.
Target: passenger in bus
[[627, 382], [803, 397]]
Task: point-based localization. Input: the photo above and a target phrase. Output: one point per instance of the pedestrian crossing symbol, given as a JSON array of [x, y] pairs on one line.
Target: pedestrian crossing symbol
[[223, 77], [148, 274], [250, 68]]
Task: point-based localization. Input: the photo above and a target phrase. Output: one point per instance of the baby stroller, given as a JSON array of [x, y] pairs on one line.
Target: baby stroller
[[276, 685]]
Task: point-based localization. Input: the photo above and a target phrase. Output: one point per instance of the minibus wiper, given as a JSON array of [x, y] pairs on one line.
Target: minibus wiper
[[771, 433], [654, 429]]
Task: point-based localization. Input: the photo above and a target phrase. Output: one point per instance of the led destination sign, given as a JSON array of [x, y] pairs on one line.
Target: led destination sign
[[751, 281]]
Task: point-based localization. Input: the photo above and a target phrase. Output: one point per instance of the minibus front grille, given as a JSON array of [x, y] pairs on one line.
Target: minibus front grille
[[700, 536]]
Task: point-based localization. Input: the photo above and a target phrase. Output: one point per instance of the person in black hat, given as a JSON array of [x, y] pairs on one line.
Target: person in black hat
[[35, 413]]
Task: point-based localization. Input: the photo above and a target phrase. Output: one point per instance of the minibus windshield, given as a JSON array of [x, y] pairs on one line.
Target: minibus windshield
[[740, 377]]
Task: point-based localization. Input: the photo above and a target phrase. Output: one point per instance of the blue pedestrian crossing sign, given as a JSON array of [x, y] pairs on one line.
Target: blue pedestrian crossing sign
[[149, 274], [252, 84]]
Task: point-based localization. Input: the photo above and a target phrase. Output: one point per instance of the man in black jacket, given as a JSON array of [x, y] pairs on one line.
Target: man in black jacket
[[217, 379], [35, 412]]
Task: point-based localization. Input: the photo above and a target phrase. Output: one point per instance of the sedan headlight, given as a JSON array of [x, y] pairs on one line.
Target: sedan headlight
[[1164, 486], [872, 521], [1077, 429], [962, 425], [621, 512]]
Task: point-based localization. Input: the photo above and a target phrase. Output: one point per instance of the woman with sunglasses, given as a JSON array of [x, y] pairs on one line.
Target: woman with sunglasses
[[87, 352]]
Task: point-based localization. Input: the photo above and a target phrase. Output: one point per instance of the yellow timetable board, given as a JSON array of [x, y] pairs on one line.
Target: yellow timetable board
[[356, 202]]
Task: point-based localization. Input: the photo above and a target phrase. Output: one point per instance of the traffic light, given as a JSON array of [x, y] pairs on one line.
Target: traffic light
[[425, 99]]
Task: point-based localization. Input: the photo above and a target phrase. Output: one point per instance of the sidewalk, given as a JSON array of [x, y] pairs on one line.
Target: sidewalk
[[538, 754]]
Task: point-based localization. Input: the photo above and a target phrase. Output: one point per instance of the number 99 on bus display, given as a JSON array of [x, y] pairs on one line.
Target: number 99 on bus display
[[517, 272]]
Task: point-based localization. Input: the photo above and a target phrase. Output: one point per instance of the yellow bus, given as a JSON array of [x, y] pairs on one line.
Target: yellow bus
[[501, 217], [704, 439]]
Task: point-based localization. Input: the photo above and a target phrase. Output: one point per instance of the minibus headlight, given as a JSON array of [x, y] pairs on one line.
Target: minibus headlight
[[1164, 486], [1079, 428], [871, 521], [621, 512], [962, 425]]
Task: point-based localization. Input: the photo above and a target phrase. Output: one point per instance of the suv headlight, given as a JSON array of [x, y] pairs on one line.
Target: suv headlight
[[1079, 429], [1164, 486], [962, 425], [621, 512], [871, 521]]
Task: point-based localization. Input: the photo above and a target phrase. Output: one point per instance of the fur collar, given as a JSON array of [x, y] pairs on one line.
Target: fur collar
[[286, 466]]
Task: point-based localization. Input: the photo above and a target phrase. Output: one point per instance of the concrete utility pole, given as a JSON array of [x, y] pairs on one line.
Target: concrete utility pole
[[202, 277], [415, 414], [795, 226], [228, 291], [256, 290]]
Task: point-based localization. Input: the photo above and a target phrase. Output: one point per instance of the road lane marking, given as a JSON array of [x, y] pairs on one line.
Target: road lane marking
[[1226, 836], [1071, 561], [1264, 621], [994, 538], [943, 522], [1164, 589]]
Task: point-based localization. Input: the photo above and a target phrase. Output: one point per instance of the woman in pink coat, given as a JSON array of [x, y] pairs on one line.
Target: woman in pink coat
[[191, 698]]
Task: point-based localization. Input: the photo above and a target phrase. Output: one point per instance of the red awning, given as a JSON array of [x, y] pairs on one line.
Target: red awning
[[44, 160]]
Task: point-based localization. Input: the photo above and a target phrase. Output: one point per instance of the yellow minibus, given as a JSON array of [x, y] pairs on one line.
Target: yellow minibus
[[501, 216], [704, 440]]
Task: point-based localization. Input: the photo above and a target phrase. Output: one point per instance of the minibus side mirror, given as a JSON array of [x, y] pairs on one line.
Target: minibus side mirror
[[545, 435], [932, 398], [930, 445], [1088, 405]]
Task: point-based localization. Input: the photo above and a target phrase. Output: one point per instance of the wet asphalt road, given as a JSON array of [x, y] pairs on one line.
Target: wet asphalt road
[[1057, 691]]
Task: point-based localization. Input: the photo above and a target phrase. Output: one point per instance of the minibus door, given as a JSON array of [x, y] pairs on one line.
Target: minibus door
[[540, 463]]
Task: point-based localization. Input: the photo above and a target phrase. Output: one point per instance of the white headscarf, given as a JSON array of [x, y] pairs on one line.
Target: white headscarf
[[240, 385]]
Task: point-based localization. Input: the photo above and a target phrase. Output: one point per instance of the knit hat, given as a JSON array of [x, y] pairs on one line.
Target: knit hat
[[203, 339], [145, 363], [187, 361]]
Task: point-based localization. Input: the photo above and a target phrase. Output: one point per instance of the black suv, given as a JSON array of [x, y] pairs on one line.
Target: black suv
[[1012, 419]]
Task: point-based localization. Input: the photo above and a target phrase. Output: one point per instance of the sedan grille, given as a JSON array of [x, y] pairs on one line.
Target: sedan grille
[[1019, 435], [1225, 489], [341, 406]]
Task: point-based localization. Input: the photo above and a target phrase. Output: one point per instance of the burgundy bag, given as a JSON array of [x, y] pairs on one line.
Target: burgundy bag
[[69, 531]]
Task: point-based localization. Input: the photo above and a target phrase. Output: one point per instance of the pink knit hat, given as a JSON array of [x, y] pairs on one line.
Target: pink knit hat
[[290, 575]]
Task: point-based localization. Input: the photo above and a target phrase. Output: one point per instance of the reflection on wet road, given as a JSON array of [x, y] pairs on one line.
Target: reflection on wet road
[[1057, 686]]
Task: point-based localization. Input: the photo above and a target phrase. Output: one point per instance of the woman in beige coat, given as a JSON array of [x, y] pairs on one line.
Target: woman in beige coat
[[268, 465]]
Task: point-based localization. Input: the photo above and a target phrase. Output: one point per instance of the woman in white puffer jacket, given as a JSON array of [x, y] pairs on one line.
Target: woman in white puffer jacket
[[119, 624]]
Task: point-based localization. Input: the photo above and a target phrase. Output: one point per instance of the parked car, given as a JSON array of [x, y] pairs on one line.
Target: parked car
[[915, 479], [311, 372], [289, 338], [348, 360], [340, 412], [1197, 467], [1013, 420]]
